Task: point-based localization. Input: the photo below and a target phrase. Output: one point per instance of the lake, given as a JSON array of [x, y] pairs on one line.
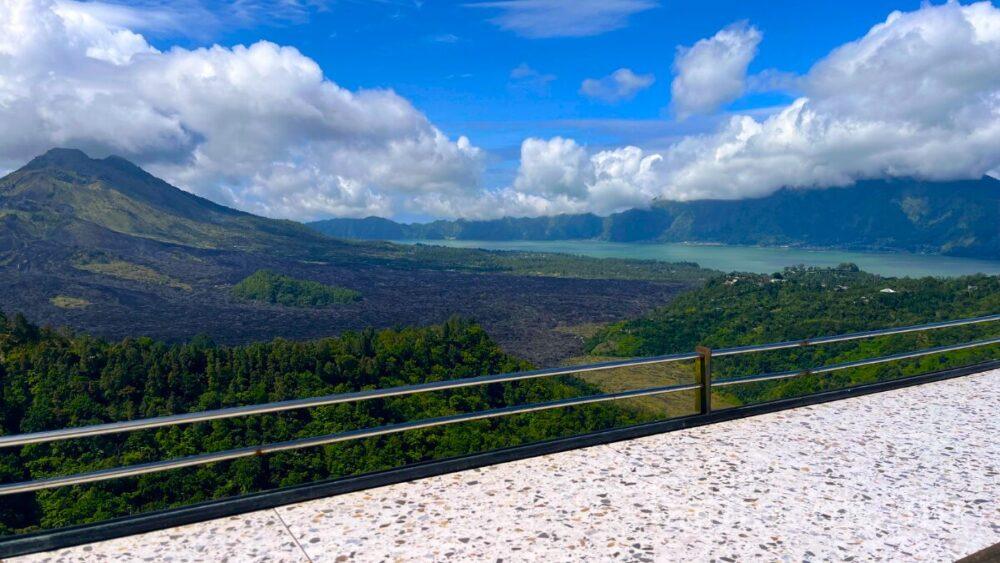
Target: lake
[[746, 258]]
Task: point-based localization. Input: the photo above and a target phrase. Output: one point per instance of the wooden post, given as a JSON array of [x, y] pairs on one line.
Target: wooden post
[[705, 375]]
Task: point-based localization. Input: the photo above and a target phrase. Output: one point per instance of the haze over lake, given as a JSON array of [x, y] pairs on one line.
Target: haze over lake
[[745, 258]]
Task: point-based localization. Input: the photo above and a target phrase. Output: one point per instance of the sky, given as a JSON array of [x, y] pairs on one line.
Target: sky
[[423, 109]]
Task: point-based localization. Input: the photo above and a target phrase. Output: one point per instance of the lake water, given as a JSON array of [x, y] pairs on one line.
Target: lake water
[[746, 258]]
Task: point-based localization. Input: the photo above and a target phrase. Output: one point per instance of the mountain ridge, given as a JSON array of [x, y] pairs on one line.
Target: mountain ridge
[[53, 194], [958, 218]]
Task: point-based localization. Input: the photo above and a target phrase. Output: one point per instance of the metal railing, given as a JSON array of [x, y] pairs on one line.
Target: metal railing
[[705, 385]]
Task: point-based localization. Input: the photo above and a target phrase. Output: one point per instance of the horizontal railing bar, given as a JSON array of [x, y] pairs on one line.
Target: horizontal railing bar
[[851, 336], [202, 459], [854, 364], [279, 406]]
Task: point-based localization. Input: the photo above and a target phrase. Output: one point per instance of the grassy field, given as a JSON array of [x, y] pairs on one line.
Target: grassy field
[[67, 302], [669, 405], [132, 272], [640, 377]]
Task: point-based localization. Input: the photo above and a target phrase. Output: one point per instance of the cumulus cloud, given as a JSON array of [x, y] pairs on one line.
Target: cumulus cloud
[[552, 168], [712, 72], [258, 127], [622, 84], [917, 96], [558, 18], [558, 175]]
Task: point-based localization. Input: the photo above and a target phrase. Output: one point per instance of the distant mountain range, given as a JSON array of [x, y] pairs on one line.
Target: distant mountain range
[[960, 218]]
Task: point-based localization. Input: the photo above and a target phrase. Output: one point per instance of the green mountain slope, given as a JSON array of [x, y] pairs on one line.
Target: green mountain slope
[[799, 303], [63, 188], [960, 218]]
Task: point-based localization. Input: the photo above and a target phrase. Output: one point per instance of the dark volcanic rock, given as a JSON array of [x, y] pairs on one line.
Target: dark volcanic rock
[[65, 212]]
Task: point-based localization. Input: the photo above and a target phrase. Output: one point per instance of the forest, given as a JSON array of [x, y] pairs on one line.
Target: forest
[[53, 379], [956, 218], [271, 287], [803, 302]]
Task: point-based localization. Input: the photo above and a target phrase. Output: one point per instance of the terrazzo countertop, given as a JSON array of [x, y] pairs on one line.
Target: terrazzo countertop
[[905, 475]]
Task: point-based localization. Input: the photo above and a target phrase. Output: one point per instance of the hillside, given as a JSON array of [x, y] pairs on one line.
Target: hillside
[[100, 245], [746, 309], [958, 218], [66, 192]]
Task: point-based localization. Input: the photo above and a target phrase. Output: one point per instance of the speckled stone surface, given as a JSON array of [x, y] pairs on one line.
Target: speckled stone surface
[[912, 474], [258, 536]]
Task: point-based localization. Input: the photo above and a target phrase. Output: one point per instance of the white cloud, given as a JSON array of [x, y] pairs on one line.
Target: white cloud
[[917, 96], [557, 176], [261, 127], [622, 84], [552, 168], [444, 38], [560, 176], [196, 18], [527, 79], [257, 127], [146, 18], [773, 80], [712, 72], [560, 18]]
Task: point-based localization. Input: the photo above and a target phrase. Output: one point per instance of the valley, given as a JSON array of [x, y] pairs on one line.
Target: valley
[[519, 311], [160, 302], [102, 247]]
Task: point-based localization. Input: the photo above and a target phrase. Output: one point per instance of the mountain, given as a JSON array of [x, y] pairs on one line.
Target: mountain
[[103, 246], [68, 196], [960, 218], [559, 227]]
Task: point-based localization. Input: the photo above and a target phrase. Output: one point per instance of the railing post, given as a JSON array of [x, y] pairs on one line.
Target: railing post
[[705, 377]]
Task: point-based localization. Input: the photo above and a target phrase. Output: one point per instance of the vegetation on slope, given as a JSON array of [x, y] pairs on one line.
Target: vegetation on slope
[[51, 379], [65, 190], [582, 267], [744, 309], [278, 289], [129, 271], [67, 302], [956, 218], [542, 264]]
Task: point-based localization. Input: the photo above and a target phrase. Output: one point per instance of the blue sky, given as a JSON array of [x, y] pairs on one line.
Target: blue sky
[[454, 63], [420, 109]]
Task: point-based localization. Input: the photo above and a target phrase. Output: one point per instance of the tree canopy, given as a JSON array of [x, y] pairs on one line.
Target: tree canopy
[[54, 379], [279, 289]]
